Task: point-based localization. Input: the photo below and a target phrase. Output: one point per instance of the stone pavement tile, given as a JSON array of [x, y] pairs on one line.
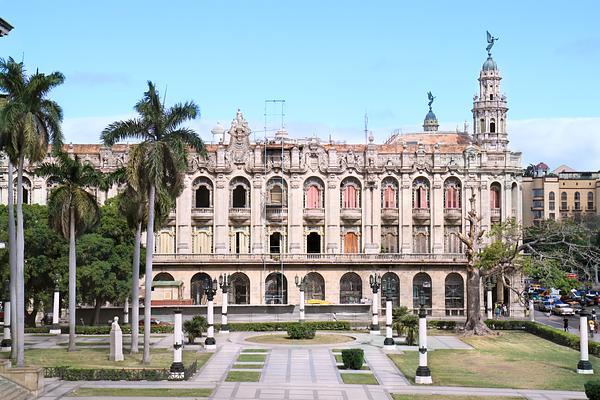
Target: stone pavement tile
[[378, 394], [357, 394], [325, 397], [246, 393]]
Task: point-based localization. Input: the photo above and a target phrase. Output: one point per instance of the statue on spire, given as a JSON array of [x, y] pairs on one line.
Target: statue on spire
[[431, 98], [490, 40]]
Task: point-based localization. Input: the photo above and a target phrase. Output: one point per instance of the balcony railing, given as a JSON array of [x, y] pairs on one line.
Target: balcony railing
[[314, 214], [453, 214], [495, 214], [277, 214], [351, 214], [421, 214], [311, 258], [390, 214], [239, 214], [202, 214]]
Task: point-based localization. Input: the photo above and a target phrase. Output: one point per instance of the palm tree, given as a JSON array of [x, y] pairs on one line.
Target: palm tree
[[71, 211], [30, 122], [155, 165]]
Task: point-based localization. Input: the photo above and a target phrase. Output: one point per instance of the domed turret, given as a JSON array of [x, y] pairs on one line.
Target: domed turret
[[489, 65], [218, 132], [431, 122]]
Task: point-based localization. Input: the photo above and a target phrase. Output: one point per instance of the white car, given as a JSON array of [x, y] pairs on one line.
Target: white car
[[563, 309]]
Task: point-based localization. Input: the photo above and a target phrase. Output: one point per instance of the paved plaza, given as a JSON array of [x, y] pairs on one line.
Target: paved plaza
[[299, 373]]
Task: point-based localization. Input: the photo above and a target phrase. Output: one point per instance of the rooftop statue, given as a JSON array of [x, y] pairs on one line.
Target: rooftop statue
[[431, 98], [490, 40]]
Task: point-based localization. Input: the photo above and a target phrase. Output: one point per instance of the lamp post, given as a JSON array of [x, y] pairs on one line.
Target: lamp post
[[388, 343], [6, 341], [301, 284], [531, 309], [375, 283], [489, 285], [210, 289], [126, 311], [584, 366], [177, 371], [423, 375], [224, 285], [55, 330]]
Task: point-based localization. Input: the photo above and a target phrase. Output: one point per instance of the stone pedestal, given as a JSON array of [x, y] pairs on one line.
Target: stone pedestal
[[388, 343], [55, 330], [116, 342], [177, 370]]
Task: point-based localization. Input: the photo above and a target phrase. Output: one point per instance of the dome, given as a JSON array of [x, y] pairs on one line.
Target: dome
[[430, 116], [489, 64], [218, 129], [431, 122]]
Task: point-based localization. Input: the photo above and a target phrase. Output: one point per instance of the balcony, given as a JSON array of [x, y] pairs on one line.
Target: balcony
[[390, 214], [351, 214], [314, 215], [239, 214], [495, 214], [202, 214], [421, 214], [452, 214], [277, 214]]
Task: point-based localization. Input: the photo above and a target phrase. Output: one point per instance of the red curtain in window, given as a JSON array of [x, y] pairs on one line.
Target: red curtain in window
[[389, 197], [495, 198], [350, 197], [313, 197], [451, 197], [422, 197]]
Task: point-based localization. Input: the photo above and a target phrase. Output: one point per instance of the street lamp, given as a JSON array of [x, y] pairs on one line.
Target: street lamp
[[386, 289], [531, 309], [224, 285], [375, 283], [489, 285], [423, 375], [55, 330], [584, 366], [177, 371], [210, 288], [301, 284], [6, 341]]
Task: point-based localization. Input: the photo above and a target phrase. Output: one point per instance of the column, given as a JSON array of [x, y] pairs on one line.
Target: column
[[177, 371], [388, 343], [221, 216], [490, 306], [584, 366], [531, 311], [224, 291], [302, 304], [6, 341], [423, 375], [210, 343], [55, 330], [126, 311]]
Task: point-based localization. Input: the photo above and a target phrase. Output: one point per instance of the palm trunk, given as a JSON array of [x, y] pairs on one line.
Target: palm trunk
[[20, 288], [72, 280], [148, 278], [97, 308], [135, 291], [474, 324], [12, 260]]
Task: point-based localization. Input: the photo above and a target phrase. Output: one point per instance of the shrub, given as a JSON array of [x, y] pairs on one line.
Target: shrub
[[408, 325], [592, 390], [353, 358], [283, 326], [194, 327], [441, 325], [300, 330]]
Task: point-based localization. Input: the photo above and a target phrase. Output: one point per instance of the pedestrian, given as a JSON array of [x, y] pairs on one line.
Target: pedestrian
[[592, 326], [504, 310], [497, 311], [593, 314], [566, 324]]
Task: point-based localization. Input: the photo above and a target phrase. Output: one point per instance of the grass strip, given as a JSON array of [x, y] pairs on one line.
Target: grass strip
[[141, 392], [248, 366], [243, 376], [359, 379], [255, 350], [252, 357], [397, 396]]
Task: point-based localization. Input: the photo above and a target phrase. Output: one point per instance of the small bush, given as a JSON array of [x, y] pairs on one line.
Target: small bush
[[592, 390], [194, 327], [353, 358], [408, 325], [110, 374], [283, 326], [300, 330]]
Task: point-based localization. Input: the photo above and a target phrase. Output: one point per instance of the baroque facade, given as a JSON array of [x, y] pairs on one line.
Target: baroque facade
[[266, 212]]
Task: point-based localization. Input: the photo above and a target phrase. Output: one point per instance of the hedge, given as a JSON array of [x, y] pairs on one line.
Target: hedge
[[545, 332], [284, 326], [441, 325], [108, 374], [101, 329], [592, 390]]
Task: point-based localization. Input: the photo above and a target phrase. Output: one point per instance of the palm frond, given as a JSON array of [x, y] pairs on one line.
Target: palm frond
[[120, 130]]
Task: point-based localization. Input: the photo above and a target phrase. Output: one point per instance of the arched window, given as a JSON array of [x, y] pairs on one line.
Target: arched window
[[276, 288], [493, 125], [197, 284], [315, 286], [163, 277], [495, 202], [313, 193], [421, 193], [202, 193], [240, 193], [389, 193], [313, 242], [422, 287], [26, 190], [275, 243], [390, 289], [277, 191], [351, 243], [350, 193], [350, 288], [481, 125], [590, 201], [420, 239], [455, 294], [551, 201], [563, 201], [577, 201], [452, 198], [239, 288]]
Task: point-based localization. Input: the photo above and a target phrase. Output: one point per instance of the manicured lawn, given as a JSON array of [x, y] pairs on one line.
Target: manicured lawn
[[117, 392], [252, 357], [511, 360], [284, 339], [98, 358], [441, 397], [255, 350], [243, 376], [248, 366], [359, 379]]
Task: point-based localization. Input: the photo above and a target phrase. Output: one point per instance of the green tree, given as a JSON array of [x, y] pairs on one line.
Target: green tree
[[72, 210], [155, 165], [29, 122]]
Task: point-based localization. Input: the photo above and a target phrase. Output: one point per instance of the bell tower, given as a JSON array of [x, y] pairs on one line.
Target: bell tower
[[489, 107]]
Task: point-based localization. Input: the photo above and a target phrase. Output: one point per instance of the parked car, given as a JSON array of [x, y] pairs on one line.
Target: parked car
[[545, 305], [154, 321], [563, 309]]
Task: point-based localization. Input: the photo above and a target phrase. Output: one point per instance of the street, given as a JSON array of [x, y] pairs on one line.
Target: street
[[556, 321]]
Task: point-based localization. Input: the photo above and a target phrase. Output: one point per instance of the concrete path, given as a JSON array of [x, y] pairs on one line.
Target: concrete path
[[215, 370]]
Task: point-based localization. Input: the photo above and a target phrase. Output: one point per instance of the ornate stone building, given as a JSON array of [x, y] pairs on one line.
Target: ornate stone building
[[266, 212]]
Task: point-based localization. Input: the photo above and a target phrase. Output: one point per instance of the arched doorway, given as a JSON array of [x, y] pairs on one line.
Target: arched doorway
[[390, 289], [422, 284], [313, 243], [197, 284], [163, 277], [350, 288], [315, 286], [276, 288], [455, 294], [239, 288]]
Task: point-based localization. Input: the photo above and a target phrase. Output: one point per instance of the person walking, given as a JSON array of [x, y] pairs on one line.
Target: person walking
[[504, 310], [592, 326], [566, 324], [497, 311]]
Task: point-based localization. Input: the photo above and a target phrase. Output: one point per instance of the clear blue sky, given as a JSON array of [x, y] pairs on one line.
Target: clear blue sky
[[330, 61]]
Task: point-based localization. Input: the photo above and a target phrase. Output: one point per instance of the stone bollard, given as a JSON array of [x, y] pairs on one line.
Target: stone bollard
[[116, 342]]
